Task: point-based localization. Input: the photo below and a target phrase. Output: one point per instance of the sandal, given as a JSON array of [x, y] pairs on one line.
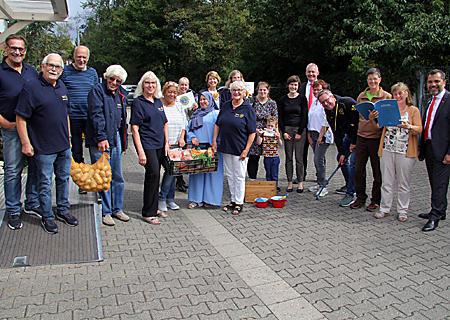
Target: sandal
[[402, 217], [151, 220], [162, 214], [194, 205], [207, 205], [380, 214], [238, 209], [229, 207]]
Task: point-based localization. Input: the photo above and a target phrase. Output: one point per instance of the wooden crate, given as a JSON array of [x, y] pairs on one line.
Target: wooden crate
[[257, 189]]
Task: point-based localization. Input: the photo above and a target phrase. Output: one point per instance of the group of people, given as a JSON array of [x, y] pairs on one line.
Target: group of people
[[43, 117]]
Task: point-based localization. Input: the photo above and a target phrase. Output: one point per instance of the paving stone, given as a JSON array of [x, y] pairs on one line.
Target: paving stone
[[59, 316], [47, 308], [110, 311], [172, 313]]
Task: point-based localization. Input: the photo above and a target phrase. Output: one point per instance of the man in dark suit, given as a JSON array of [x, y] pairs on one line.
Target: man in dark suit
[[312, 71], [435, 147]]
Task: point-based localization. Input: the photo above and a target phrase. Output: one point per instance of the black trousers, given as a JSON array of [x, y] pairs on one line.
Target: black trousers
[[155, 158], [252, 166], [438, 175]]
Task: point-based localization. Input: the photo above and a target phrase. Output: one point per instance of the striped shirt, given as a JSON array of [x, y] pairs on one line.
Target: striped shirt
[[78, 83], [176, 121]]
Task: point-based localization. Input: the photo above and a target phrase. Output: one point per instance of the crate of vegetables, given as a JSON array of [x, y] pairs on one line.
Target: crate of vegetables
[[192, 161]]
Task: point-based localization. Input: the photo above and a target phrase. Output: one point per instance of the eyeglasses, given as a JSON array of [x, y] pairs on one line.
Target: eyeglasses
[[51, 66], [170, 83], [117, 80], [81, 57], [14, 49], [237, 90], [326, 102]]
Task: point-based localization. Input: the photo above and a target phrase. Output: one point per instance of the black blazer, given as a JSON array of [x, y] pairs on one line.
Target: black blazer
[[440, 131], [302, 89]]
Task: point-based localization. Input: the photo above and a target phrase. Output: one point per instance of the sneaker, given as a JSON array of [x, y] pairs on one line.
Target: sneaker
[[342, 190], [35, 211], [162, 205], [323, 193], [173, 206], [121, 216], [357, 205], [108, 220], [14, 222], [67, 218], [81, 191], [49, 226], [314, 188], [373, 207], [347, 200]]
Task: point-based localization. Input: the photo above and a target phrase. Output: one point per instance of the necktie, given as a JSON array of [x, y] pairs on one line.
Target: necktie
[[310, 96], [427, 125]]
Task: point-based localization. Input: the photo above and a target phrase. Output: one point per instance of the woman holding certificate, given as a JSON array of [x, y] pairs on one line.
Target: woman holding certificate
[[398, 152]]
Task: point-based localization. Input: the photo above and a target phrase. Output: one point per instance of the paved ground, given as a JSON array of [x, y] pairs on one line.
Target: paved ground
[[309, 260]]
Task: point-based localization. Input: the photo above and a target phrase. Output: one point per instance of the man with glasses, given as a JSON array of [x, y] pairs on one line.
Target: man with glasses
[[13, 74], [42, 116], [106, 131], [343, 119], [79, 80]]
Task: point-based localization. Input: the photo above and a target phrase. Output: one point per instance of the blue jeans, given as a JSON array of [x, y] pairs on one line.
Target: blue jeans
[[167, 192], [271, 164], [112, 201], [348, 169], [14, 161], [46, 165], [77, 128]]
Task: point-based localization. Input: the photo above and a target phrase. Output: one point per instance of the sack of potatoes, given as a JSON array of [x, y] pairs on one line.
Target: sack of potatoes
[[94, 177]]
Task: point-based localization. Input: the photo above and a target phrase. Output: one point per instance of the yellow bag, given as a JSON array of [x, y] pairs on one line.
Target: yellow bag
[[95, 177]]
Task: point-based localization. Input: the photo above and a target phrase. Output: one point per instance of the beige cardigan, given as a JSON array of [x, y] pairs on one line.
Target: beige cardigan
[[413, 144]]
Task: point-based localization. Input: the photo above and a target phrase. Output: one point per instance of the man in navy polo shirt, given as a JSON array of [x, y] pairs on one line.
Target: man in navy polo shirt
[[79, 80], [13, 74], [42, 116]]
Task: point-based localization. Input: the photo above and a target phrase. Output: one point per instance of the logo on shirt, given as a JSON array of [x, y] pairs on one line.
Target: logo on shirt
[[184, 101], [64, 98], [341, 111], [238, 115], [161, 109]]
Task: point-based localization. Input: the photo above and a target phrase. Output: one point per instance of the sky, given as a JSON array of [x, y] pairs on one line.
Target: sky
[[74, 9]]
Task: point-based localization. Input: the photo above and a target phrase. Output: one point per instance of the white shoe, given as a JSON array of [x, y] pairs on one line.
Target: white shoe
[[173, 206], [162, 205], [314, 188], [323, 193]]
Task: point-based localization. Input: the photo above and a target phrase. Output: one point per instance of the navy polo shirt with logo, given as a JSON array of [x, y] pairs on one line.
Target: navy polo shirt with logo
[[45, 107], [235, 127], [151, 118], [11, 82]]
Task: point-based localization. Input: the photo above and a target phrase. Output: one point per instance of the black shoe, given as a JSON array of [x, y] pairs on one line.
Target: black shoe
[[278, 189], [81, 191], [67, 218], [430, 225], [35, 211], [49, 226], [289, 190], [14, 222], [299, 190], [427, 216]]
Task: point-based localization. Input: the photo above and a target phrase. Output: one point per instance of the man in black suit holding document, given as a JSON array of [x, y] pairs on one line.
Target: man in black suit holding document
[[435, 147]]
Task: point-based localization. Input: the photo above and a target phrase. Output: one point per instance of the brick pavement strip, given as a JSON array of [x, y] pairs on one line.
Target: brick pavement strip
[[309, 260]]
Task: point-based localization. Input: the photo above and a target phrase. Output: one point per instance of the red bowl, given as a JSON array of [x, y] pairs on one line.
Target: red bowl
[[261, 204], [278, 203]]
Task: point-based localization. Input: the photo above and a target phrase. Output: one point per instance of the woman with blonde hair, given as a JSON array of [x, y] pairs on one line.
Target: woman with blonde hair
[[213, 79], [398, 152]]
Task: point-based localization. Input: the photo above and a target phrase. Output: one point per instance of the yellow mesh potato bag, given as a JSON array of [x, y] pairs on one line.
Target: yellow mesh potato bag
[[94, 177]]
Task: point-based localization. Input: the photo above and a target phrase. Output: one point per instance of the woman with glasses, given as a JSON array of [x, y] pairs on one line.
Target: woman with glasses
[[106, 131], [176, 120], [264, 107], [205, 189], [293, 118], [150, 135], [236, 127]]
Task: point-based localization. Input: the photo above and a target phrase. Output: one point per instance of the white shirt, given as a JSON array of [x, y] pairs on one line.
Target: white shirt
[[308, 90], [318, 119], [433, 113], [176, 121]]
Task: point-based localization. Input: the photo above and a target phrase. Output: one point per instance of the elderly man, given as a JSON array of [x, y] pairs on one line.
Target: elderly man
[[42, 116], [106, 131], [79, 80], [13, 74], [343, 119], [306, 89], [435, 147]]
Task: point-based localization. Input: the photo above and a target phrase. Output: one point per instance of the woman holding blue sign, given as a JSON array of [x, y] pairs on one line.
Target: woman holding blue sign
[[398, 152]]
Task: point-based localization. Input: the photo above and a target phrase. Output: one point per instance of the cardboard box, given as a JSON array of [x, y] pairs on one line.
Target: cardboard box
[[257, 189]]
